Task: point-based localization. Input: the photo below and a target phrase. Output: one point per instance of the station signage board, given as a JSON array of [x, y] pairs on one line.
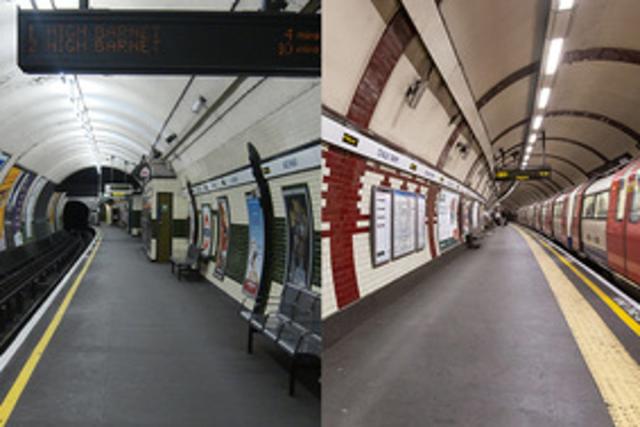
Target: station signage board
[[522, 174], [162, 42]]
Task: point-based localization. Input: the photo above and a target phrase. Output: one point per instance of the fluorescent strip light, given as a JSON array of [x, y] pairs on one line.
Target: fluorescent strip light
[[565, 4], [529, 149], [553, 59], [537, 122], [532, 138], [543, 100]]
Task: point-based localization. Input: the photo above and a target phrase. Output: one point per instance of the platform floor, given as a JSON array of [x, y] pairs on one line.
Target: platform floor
[[137, 347], [480, 341]]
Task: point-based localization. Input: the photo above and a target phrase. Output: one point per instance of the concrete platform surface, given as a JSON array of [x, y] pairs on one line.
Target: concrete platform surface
[[137, 347], [480, 341]]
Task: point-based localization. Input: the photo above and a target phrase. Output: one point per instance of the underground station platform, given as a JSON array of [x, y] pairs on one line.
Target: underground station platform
[[516, 333], [125, 343]]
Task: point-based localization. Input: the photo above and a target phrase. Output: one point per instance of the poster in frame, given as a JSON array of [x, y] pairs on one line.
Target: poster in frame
[[381, 207], [448, 232], [207, 241], [299, 222], [224, 236], [404, 223], [255, 256], [421, 228]]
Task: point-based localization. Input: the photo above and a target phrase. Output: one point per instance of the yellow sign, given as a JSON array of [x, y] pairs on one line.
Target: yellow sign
[[350, 139]]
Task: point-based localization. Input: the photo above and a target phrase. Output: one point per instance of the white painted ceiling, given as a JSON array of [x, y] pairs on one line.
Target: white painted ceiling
[[40, 125], [494, 39]]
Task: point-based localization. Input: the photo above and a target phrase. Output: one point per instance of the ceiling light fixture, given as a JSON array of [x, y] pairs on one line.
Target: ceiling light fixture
[[565, 4], [553, 59], [532, 138], [543, 100], [537, 122]]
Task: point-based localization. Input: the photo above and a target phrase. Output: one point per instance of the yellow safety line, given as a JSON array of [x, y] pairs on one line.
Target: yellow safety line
[[623, 315], [11, 399], [615, 372]]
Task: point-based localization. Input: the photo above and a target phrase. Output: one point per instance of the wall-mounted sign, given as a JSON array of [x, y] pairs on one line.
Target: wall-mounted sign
[[448, 232], [255, 257], [522, 174], [207, 242], [300, 160], [297, 204], [333, 133], [422, 227], [381, 231], [224, 234], [404, 223], [168, 42]]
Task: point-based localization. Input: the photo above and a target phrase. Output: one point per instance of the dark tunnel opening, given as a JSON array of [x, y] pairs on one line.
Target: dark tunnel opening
[[75, 216]]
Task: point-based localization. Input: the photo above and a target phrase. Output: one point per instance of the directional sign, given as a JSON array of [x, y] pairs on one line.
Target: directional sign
[[522, 174], [161, 42]]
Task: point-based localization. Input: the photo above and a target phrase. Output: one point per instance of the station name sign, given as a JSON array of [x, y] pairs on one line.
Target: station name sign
[[522, 174], [161, 42]]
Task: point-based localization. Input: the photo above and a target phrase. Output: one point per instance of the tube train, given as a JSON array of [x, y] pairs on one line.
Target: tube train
[[598, 220]]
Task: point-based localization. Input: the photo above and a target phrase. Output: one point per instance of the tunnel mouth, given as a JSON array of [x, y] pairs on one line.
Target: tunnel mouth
[[75, 216]]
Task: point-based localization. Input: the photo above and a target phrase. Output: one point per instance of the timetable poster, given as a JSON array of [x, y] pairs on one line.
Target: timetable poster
[[224, 234], [205, 247], [448, 233], [404, 223], [255, 257], [422, 214], [382, 205]]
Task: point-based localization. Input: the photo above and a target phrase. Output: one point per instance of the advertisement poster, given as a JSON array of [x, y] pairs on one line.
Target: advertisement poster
[[299, 217], [475, 214], [224, 234], [255, 257], [14, 230], [205, 247], [448, 232], [5, 194], [404, 223], [466, 214], [422, 228], [381, 226], [32, 198], [3, 159]]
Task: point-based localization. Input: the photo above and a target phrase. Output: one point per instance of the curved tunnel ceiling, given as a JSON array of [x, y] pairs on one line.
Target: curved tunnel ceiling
[[591, 121], [41, 126]]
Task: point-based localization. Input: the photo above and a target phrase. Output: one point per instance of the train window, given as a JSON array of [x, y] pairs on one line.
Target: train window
[[622, 198], [602, 205], [557, 213], [588, 206], [634, 215]]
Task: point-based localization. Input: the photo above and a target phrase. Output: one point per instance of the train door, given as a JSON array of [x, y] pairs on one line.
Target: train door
[[576, 224], [548, 218], [563, 220], [568, 215], [616, 225], [632, 235], [165, 218]]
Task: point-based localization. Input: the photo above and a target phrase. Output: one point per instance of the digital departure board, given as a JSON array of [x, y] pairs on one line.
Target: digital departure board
[[162, 42], [522, 174]]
